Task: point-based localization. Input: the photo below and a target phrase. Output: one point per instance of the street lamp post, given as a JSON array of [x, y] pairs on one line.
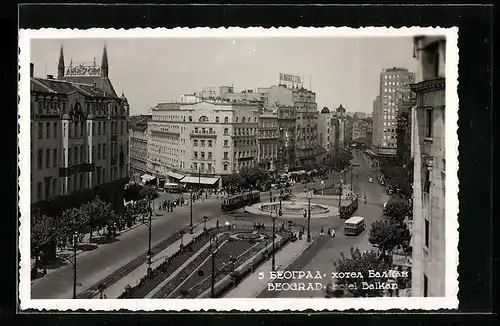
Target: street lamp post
[[213, 245], [309, 196], [205, 218], [273, 262], [191, 214], [149, 237], [75, 247]]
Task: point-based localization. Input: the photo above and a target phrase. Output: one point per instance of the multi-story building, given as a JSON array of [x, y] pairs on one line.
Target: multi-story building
[[138, 140], [341, 121], [287, 135], [79, 138], [428, 140], [268, 139], [394, 91], [202, 141], [359, 115], [325, 132], [306, 149]]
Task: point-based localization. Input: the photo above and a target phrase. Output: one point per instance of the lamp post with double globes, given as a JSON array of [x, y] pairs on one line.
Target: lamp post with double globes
[[75, 247], [277, 213], [213, 248]]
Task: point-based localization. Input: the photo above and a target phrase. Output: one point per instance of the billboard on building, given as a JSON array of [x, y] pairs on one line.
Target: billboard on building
[[290, 80]]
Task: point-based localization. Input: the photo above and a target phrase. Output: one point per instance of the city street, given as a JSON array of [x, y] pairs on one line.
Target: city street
[[93, 266], [323, 259]]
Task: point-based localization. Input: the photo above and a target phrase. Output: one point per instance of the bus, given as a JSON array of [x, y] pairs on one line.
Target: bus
[[348, 207], [354, 226], [240, 200], [173, 188]]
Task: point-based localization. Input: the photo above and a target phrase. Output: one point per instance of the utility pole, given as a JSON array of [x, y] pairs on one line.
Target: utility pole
[[191, 210], [75, 246]]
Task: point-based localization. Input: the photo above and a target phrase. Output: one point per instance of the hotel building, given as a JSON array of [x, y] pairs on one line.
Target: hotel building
[[79, 138], [428, 150]]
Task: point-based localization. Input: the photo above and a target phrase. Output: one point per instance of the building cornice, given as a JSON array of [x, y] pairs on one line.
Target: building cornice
[[430, 85]]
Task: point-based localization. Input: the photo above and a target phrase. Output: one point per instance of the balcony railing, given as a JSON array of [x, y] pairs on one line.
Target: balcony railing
[[212, 134]]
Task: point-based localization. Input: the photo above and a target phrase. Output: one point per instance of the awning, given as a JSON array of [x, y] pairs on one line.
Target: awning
[[174, 175], [201, 180], [147, 177]]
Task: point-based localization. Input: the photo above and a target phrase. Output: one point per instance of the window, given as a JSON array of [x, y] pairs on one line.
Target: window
[[47, 158], [209, 155], [226, 155], [237, 119], [426, 286], [436, 63], [202, 166], [202, 155], [54, 187], [210, 143], [99, 128], [104, 125], [226, 120], [225, 167], [203, 119], [40, 159], [195, 166], [195, 154], [196, 130], [202, 143], [47, 187], [210, 130], [54, 157], [104, 151], [40, 131], [93, 129], [121, 128], [427, 180], [75, 154], [82, 153], [209, 167], [195, 142], [427, 229], [99, 147], [216, 119], [226, 143], [428, 123], [54, 131], [190, 118], [39, 191], [226, 131]]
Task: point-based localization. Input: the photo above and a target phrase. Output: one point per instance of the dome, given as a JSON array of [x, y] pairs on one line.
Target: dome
[[66, 117], [340, 108], [325, 110]]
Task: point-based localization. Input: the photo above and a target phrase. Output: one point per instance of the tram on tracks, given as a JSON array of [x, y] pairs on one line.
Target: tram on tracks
[[240, 200]]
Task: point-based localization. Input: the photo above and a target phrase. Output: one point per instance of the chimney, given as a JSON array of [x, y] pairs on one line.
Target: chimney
[[32, 69], [50, 76]]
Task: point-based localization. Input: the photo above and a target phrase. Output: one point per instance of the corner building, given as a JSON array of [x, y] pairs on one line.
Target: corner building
[[79, 138], [203, 140], [138, 139], [428, 149]]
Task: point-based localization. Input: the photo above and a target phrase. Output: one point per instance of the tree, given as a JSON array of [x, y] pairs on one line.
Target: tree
[[252, 176], [72, 220], [388, 234], [98, 212], [397, 208], [362, 262], [43, 231], [149, 194]]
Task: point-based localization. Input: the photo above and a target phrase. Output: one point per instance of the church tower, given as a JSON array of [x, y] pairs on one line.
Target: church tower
[[60, 66], [104, 63]]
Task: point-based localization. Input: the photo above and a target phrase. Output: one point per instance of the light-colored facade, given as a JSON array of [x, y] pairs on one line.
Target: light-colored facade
[[206, 139], [325, 130], [79, 138], [359, 115], [428, 141], [268, 138], [394, 90], [306, 149], [139, 136]]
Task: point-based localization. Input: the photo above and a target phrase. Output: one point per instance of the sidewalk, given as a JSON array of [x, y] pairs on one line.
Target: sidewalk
[[251, 286]]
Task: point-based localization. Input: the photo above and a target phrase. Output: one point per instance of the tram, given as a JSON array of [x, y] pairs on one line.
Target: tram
[[240, 200]]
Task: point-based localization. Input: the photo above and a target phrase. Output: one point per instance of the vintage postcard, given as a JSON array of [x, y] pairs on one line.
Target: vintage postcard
[[238, 169]]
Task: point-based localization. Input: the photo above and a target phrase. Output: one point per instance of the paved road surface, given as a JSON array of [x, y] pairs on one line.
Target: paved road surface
[[322, 260]]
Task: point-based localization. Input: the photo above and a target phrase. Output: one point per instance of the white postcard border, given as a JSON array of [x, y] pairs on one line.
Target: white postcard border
[[222, 304]]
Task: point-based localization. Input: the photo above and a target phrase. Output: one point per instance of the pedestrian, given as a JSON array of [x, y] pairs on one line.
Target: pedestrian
[[329, 232]]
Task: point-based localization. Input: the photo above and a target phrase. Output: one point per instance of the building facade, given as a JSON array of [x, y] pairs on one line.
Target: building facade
[[359, 129], [268, 139], [79, 138], [428, 138], [138, 140], [306, 149], [204, 139], [394, 91]]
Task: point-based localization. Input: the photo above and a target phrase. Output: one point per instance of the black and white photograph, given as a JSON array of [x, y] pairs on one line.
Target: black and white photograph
[[316, 167]]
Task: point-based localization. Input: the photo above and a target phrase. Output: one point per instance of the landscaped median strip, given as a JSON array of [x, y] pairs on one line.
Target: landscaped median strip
[[252, 286]]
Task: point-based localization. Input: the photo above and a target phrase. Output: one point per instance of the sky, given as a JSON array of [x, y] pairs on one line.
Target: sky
[[339, 70]]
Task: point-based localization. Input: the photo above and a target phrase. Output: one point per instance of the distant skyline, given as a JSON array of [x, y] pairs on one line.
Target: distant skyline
[[339, 70]]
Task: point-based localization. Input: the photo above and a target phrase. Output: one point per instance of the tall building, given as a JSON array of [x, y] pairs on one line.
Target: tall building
[[394, 91], [325, 134], [202, 141], [341, 116], [138, 139], [359, 129], [428, 139], [79, 138], [268, 139], [306, 149]]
